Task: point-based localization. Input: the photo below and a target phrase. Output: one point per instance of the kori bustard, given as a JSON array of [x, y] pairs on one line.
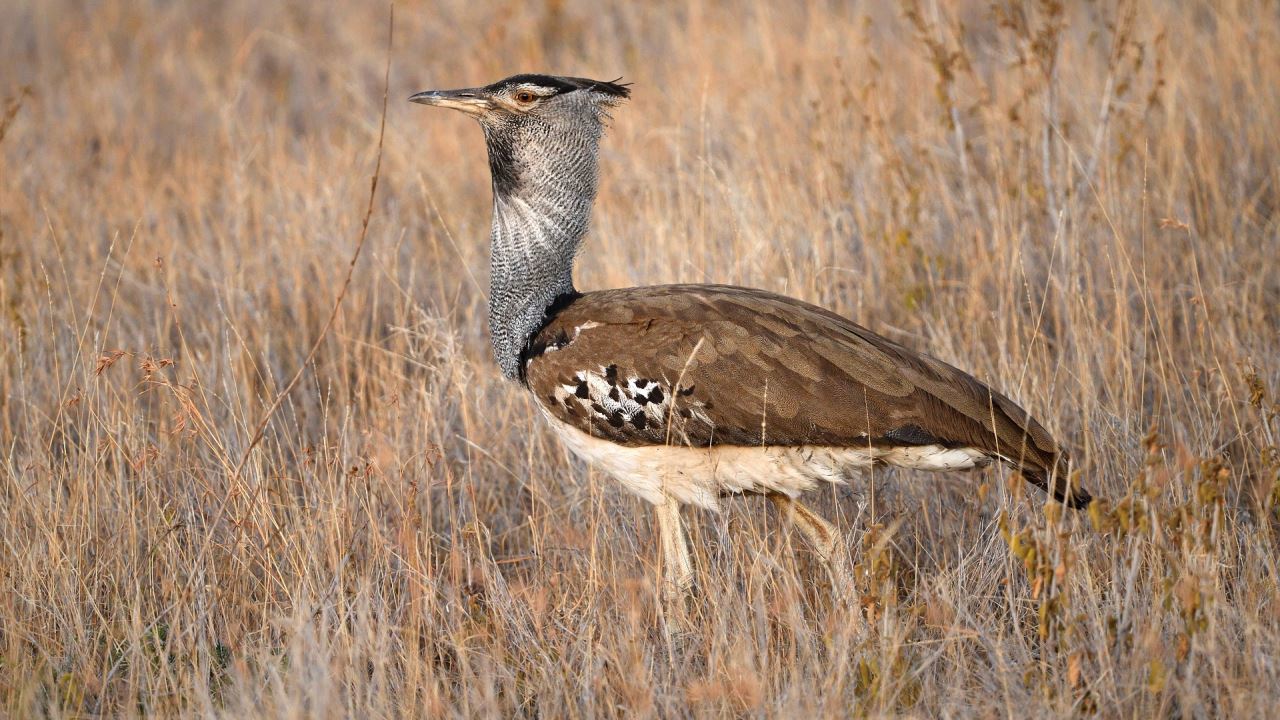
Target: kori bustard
[[688, 393]]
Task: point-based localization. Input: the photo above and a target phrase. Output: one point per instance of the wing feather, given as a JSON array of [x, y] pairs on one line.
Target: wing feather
[[707, 364]]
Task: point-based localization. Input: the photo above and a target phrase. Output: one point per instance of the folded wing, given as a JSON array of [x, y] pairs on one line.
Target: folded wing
[[705, 365]]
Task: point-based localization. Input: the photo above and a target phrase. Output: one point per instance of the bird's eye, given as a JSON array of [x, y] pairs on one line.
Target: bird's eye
[[525, 96]]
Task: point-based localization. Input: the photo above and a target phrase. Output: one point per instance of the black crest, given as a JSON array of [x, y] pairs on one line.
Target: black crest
[[563, 84]]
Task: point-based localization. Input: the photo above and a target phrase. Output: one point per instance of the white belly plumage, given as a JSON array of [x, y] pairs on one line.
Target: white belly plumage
[[700, 475]]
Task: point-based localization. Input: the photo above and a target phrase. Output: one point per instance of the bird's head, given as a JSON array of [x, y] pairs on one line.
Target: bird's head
[[535, 119], [531, 99]]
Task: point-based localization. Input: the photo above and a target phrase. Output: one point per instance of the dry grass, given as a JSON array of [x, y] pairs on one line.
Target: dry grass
[[1080, 205]]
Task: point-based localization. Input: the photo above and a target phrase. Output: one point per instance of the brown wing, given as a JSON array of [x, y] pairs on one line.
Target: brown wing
[[710, 364]]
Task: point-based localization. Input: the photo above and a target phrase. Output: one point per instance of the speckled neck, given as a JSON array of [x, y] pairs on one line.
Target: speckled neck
[[544, 184]]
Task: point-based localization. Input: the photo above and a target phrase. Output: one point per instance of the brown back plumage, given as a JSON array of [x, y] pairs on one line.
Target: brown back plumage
[[720, 365]]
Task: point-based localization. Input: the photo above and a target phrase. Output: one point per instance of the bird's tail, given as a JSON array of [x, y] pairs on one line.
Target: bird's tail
[[1057, 481]]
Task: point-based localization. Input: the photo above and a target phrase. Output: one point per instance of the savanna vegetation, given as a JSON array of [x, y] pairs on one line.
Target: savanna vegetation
[[214, 501]]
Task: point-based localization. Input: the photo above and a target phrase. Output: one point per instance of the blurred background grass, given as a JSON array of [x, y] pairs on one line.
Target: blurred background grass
[[1078, 202]]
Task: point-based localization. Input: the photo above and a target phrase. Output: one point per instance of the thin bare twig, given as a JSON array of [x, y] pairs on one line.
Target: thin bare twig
[[351, 266], [333, 314]]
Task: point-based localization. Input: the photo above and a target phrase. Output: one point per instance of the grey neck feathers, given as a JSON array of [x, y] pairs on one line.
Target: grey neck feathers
[[544, 183]]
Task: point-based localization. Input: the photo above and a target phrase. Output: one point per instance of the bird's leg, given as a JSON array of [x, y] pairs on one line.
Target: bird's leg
[[822, 535], [675, 551]]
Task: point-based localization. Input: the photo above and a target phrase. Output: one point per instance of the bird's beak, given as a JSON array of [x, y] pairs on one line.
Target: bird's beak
[[470, 100]]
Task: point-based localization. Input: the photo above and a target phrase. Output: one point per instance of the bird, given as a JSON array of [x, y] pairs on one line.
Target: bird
[[687, 394]]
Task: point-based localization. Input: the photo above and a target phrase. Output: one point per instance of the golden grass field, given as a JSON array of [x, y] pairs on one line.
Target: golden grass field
[[1077, 202]]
